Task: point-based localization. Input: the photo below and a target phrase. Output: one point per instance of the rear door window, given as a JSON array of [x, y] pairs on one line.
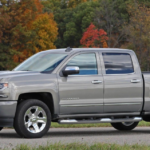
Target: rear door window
[[118, 63]]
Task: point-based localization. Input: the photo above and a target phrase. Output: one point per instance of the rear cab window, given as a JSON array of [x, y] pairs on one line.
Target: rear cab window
[[117, 63]]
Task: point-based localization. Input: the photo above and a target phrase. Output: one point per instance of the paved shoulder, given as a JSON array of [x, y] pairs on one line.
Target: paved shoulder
[[141, 135]]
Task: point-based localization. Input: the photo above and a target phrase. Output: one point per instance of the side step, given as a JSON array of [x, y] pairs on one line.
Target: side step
[[102, 120]]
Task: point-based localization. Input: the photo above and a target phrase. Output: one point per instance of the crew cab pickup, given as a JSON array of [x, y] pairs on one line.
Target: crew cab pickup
[[73, 86]]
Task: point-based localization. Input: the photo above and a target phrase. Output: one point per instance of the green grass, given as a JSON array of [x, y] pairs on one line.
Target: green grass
[[78, 146], [56, 125], [144, 124]]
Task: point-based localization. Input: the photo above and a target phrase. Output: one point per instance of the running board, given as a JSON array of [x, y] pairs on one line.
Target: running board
[[102, 120]]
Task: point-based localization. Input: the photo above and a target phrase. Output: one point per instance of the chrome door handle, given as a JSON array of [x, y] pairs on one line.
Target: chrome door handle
[[135, 81], [96, 81]]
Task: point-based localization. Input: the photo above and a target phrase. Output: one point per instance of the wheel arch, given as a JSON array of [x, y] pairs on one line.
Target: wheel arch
[[45, 97]]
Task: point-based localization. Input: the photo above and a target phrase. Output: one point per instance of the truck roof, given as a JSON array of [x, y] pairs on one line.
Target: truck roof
[[63, 50]]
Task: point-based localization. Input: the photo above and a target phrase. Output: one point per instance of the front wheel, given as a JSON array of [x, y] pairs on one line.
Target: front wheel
[[33, 119], [125, 126]]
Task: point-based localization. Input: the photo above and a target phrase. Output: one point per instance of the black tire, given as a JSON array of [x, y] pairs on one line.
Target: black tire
[[123, 127], [1, 128], [16, 128], [19, 123]]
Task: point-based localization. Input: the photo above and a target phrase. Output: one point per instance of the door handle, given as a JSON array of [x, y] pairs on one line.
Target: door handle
[[96, 81], [135, 81]]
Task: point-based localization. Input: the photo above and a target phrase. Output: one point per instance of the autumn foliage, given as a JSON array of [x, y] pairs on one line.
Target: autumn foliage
[[93, 37], [31, 26], [40, 29], [46, 32], [25, 30]]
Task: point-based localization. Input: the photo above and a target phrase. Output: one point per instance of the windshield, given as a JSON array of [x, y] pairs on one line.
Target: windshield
[[42, 62]]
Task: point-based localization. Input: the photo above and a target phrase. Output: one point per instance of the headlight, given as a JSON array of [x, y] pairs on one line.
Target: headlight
[[3, 85]]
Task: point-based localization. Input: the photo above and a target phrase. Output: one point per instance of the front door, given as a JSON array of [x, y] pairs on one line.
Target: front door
[[82, 93], [123, 88]]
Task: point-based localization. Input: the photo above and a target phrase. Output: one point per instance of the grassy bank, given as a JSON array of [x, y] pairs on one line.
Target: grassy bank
[[77, 146], [56, 125]]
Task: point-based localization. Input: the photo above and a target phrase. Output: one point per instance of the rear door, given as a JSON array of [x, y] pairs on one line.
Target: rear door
[[82, 93], [123, 84]]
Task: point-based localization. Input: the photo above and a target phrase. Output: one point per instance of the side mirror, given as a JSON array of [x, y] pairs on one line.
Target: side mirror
[[70, 70]]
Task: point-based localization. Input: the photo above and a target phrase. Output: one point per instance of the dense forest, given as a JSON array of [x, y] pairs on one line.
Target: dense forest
[[31, 26]]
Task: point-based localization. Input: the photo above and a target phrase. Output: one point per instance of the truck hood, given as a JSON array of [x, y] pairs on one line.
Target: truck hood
[[13, 73], [10, 74]]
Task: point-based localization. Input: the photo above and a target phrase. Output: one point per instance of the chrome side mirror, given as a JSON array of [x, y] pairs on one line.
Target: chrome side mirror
[[71, 70]]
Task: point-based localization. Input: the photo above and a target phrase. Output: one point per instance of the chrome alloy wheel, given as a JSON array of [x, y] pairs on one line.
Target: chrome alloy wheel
[[35, 119], [127, 123]]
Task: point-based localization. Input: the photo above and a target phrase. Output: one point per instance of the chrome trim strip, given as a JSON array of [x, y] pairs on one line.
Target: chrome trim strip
[[82, 105], [69, 105], [122, 104], [7, 103]]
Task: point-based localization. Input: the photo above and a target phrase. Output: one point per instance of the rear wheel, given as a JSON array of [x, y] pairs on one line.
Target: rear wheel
[[33, 119], [1, 128], [125, 126]]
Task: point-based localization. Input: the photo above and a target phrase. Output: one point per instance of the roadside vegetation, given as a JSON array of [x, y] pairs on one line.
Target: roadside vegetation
[[31, 26], [56, 125], [78, 146]]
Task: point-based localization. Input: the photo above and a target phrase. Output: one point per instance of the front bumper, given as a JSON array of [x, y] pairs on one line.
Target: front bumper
[[7, 113]]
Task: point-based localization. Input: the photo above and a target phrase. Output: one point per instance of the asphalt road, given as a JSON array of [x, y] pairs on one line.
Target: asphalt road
[[140, 135]]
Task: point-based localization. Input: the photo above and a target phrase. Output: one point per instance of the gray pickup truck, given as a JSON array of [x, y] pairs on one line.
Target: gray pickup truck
[[74, 86]]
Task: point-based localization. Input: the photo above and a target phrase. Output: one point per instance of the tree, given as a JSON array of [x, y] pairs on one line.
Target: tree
[[75, 3], [93, 37], [6, 51], [46, 32], [72, 18], [111, 16], [54, 5], [22, 16], [138, 31], [81, 18], [33, 30], [25, 31]]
